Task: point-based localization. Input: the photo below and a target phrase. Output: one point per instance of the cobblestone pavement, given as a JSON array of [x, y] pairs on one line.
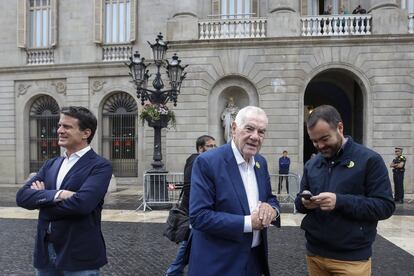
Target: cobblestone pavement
[[139, 249]]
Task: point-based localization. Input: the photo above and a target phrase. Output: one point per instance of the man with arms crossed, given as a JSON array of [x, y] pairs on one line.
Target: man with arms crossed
[[345, 190], [69, 192], [231, 203]]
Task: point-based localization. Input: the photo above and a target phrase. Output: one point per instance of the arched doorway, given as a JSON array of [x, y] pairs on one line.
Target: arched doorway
[[339, 88]]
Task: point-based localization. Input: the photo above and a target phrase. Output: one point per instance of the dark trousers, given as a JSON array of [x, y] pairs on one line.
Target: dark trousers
[[256, 263], [281, 177], [398, 186]]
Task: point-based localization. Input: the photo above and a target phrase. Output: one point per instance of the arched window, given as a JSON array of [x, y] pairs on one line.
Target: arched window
[[43, 121], [120, 134]]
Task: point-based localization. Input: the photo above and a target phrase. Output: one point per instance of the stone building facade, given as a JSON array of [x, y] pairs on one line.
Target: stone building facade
[[281, 55]]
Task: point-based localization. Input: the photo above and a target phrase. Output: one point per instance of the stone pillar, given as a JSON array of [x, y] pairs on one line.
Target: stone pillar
[[388, 17], [184, 23], [283, 18]]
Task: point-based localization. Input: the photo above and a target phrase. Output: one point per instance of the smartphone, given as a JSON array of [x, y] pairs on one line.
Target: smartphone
[[307, 195]]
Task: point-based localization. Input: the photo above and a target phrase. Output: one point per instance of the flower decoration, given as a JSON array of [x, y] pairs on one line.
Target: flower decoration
[[156, 112], [257, 165], [350, 164]]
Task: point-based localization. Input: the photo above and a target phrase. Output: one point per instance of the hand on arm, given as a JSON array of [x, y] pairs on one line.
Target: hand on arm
[[37, 185]]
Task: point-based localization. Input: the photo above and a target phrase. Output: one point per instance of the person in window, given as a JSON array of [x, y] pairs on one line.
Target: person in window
[[69, 193], [203, 144], [345, 191], [231, 203]]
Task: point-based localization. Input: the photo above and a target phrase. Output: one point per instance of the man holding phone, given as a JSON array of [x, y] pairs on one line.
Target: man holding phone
[[345, 191]]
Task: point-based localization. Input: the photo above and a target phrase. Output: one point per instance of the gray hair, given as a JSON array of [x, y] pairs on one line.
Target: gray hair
[[249, 112]]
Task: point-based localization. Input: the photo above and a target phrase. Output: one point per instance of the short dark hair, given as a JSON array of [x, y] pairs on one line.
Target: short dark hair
[[327, 113], [85, 117], [202, 140], [285, 151]]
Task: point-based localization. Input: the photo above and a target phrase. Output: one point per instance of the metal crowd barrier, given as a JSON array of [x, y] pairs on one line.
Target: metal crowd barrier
[[161, 189], [294, 185], [165, 188]]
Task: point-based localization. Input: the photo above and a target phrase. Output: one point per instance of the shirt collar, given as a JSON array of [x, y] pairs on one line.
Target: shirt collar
[[79, 153], [239, 158]]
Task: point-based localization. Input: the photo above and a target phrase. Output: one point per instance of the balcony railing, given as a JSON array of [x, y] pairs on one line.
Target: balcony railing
[[232, 28], [40, 56], [411, 23], [343, 25], [116, 52]]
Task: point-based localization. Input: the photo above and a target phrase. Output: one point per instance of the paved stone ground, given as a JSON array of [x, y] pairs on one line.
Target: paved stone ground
[[136, 249]]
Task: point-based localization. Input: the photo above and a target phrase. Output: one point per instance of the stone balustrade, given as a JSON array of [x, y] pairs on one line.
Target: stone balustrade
[[116, 52], [40, 56], [337, 25], [411, 23], [232, 28]]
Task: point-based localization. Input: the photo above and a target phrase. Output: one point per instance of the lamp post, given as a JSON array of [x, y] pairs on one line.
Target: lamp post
[[158, 97]]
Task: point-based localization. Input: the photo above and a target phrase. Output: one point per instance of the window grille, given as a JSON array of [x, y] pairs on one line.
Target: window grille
[[40, 32], [120, 134], [43, 121], [117, 14]]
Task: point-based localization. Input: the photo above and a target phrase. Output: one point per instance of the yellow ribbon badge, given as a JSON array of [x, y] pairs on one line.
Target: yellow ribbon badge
[[257, 165], [350, 164]]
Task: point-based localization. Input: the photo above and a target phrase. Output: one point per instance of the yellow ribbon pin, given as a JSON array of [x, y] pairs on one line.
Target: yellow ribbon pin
[[257, 165], [350, 164]]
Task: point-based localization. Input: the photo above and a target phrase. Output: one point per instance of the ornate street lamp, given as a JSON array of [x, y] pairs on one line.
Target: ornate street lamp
[[157, 96]]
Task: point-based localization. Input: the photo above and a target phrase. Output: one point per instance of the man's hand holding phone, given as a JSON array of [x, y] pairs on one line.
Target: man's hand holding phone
[[306, 197]]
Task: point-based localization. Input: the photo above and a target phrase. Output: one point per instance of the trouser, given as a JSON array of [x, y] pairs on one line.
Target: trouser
[[256, 262], [281, 177], [51, 269], [320, 266], [398, 186]]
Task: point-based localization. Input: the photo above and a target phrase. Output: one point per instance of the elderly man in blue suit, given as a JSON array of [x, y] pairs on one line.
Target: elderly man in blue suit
[[69, 192], [231, 203]]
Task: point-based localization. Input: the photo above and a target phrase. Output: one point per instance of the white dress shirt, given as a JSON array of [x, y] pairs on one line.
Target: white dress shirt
[[67, 164], [250, 185]]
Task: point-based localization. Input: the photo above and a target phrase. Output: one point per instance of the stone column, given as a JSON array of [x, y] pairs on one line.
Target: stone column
[[388, 17], [283, 18], [184, 23]]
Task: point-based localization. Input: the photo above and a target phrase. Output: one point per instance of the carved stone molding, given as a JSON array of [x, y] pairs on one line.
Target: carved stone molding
[[60, 87], [97, 86], [22, 89], [51, 86]]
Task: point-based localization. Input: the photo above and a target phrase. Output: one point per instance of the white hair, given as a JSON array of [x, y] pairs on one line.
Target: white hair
[[249, 112]]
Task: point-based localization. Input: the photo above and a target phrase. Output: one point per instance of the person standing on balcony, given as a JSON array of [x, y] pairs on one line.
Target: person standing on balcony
[[398, 169], [231, 203], [345, 191], [284, 164], [69, 193], [203, 144]]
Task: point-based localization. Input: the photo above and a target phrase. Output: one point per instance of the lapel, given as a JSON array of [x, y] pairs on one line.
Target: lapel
[[236, 180], [81, 164], [54, 169], [260, 179]]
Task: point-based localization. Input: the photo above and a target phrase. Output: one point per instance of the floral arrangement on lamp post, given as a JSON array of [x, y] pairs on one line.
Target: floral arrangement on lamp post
[[157, 114]]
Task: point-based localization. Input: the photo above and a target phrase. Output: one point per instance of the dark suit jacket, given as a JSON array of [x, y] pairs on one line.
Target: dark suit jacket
[[75, 222], [218, 204]]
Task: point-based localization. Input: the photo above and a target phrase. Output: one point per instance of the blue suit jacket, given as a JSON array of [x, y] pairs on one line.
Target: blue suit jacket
[[75, 222], [218, 204]]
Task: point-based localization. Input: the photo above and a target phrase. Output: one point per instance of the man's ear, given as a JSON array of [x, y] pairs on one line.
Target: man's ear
[[86, 133], [340, 128], [233, 128]]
